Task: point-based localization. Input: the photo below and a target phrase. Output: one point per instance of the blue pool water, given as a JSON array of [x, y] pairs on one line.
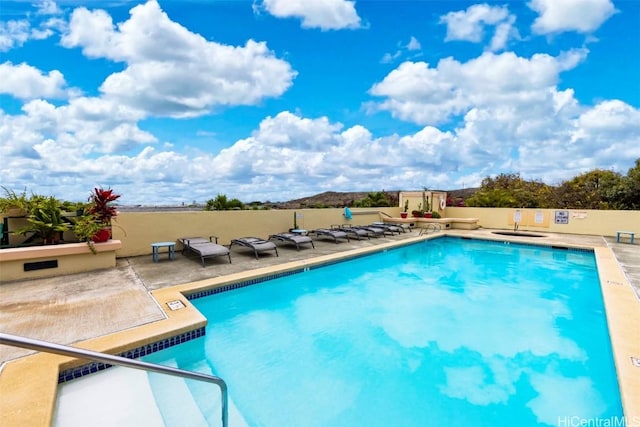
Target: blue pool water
[[448, 332]]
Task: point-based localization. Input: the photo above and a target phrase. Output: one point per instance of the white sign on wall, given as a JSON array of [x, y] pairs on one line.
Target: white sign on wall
[[562, 217]]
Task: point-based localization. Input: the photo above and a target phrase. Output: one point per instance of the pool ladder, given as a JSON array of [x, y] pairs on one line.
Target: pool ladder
[[33, 344], [430, 228]]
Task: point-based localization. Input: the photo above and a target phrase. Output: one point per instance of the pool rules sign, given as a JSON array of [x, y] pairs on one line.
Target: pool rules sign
[[562, 217]]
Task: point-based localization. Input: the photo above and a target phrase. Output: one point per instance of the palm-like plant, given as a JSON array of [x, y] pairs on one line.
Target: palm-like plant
[[101, 205], [45, 220]]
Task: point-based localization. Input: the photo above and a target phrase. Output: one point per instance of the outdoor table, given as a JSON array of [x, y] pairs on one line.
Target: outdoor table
[[156, 248], [631, 235]]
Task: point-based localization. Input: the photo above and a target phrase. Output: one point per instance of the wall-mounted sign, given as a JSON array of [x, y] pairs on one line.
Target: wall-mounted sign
[[562, 217], [517, 216]]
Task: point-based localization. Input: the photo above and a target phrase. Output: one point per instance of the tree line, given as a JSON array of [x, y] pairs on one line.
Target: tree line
[[596, 189]]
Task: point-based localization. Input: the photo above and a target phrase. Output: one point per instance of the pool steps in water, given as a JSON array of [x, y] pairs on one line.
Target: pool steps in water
[[130, 398]]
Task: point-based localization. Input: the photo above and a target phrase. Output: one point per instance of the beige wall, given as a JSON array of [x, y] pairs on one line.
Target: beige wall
[[595, 222], [137, 230], [415, 198]]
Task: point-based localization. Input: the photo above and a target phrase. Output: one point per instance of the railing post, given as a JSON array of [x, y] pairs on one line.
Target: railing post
[[48, 347]]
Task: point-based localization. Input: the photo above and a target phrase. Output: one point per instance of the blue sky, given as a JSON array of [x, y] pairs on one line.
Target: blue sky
[[178, 101]]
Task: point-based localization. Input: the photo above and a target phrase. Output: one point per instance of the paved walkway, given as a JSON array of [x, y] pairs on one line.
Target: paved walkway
[[77, 307], [628, 257]]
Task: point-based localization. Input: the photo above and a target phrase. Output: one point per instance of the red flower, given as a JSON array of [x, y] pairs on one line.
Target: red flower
[[102, 200]]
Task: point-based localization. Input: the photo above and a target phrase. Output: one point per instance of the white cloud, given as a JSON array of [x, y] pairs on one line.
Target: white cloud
[[13, 33], [47, 7], [26, 82], [288, 155], [85, 127], [388, 58], [492, 113], [171, 71], [413, 47], [419, 93], [323, 14], [469, 25], [505, 31], [413, 44], [506, 113], [583, 16]]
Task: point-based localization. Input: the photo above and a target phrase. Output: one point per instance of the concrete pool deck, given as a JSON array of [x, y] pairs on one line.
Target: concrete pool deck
[[127, 300]]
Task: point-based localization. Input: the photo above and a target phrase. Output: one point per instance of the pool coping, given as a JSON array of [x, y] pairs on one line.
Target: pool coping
[[37, 375]]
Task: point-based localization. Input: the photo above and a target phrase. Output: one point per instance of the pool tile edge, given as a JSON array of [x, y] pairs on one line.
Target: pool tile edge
[[622, 309]]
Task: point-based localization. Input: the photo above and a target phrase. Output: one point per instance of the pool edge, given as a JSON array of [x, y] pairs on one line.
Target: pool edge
[[622, 308], [37, 375]]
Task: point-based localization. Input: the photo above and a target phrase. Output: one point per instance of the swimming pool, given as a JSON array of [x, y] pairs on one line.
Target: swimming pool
[[446, 332]]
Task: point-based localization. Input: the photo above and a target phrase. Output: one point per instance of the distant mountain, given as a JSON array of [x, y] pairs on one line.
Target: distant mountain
[[328, 199], [336, 199], [333, 199]]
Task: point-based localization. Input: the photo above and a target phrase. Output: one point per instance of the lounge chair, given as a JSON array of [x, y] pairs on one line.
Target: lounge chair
[[354, 233], [334, 234], [392, 229], [204, 248], [256, 244], [373, 231], [295, 239]]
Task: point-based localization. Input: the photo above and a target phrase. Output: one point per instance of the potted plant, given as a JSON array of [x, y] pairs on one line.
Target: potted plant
[[404, 213], [426, 203], [87, 228], [45, 220], [101, 206], [418, 213]]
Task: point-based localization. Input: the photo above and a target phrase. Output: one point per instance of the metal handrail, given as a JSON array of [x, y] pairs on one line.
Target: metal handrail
[[64, 350], [430, 228]]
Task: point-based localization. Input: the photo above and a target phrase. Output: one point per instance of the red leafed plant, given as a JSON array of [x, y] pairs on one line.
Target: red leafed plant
[[101, 204]]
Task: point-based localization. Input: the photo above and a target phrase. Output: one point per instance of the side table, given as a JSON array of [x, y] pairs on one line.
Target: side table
[[156, 250]]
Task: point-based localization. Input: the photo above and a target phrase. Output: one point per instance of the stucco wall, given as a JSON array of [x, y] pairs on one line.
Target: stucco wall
[[68, 259], [137, 230], [594, 222]]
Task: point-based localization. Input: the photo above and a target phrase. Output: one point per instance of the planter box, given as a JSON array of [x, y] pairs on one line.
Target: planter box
[[55, 260]]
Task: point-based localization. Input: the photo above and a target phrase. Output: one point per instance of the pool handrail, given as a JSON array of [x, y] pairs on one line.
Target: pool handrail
[[430, 228], [48, 347]]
